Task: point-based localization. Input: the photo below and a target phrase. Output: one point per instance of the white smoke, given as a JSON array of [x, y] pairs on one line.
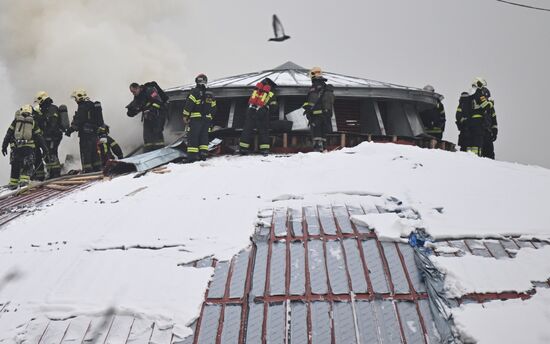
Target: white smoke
[[101, 46]]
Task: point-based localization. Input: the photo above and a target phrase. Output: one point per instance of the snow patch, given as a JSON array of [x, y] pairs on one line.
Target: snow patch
[[388, 226], [512, 321], [475, 274]]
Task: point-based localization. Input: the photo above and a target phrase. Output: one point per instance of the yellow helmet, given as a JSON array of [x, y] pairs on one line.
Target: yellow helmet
[[40, 97], [315, 72], [79, 95], [26, 109]]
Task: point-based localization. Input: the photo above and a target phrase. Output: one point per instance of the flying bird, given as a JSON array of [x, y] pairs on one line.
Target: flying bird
[[278, 30]]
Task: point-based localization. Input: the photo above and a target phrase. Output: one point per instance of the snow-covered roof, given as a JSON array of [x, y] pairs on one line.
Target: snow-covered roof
[[290, 74], [115, 266]]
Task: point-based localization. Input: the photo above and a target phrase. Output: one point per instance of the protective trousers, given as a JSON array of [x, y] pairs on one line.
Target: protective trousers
[[488, 150], [39, 172], [88, 154], [52, 160], [255, 119], [474, 142], [320, 126], [22, 165], [197, 138], [153, 127]]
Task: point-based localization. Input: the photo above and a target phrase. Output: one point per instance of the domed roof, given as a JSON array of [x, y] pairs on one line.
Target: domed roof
[[290, 74]]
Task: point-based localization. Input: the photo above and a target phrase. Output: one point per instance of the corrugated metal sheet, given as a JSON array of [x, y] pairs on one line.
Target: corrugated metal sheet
[[320, 323], [355, 267], [298, 270], [309, 275], [275, 332], [317, 270], [217, 287], [238, 278], [336, 267], [209, 324], [277, 269]]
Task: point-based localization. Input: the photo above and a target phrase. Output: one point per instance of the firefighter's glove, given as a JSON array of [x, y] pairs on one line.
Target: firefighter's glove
[[4, 150], [69, 132], [185, 120], [494, 133]]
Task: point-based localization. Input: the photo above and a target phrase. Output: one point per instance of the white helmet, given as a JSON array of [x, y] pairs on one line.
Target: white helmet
[[479, 82], [40, 97], [429, 88], [79, 95]]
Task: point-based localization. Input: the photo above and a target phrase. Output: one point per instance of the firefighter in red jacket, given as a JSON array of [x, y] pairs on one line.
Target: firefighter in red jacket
[[261, 104]]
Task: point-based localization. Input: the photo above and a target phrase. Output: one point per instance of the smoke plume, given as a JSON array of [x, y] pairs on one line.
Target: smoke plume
[[101, 46]]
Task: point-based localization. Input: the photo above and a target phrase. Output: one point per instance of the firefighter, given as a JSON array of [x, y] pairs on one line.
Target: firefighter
[[479, 118], [318, 108], [22, 136], [462, 113], [49, 121], [87, 120], [149, 99], [198, 112], [107, 147], [261, 105], [434, 118], [491, 131]]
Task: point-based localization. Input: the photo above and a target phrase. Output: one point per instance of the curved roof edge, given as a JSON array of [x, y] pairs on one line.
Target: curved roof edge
[[290, 74]]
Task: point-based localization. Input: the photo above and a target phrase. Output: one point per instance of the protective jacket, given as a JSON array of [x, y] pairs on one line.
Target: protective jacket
[[108, 148], [434, 120], [22, 136], [318, 110], [198, 111], [261, 105], [87, 119], [152, 106]]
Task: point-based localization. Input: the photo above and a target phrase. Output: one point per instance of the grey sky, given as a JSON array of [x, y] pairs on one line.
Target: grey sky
[[441, 42], [412, 42]]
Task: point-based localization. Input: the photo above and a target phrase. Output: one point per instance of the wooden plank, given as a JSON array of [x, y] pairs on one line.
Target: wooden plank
[[87, 178], [161, 168], [57, 187], [162, 171], [69, 182]]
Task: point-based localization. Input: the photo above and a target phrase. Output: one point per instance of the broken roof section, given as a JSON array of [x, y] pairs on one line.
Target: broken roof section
[[313, 276]]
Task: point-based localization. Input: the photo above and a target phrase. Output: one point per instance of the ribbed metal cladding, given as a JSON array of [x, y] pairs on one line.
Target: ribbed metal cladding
[[330, 283]]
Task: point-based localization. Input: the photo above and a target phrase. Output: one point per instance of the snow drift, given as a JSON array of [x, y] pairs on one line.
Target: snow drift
[[145, 226]]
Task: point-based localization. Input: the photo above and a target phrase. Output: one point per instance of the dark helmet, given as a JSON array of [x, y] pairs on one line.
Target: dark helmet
[[201, 79], [268, 81], [103, 130]]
